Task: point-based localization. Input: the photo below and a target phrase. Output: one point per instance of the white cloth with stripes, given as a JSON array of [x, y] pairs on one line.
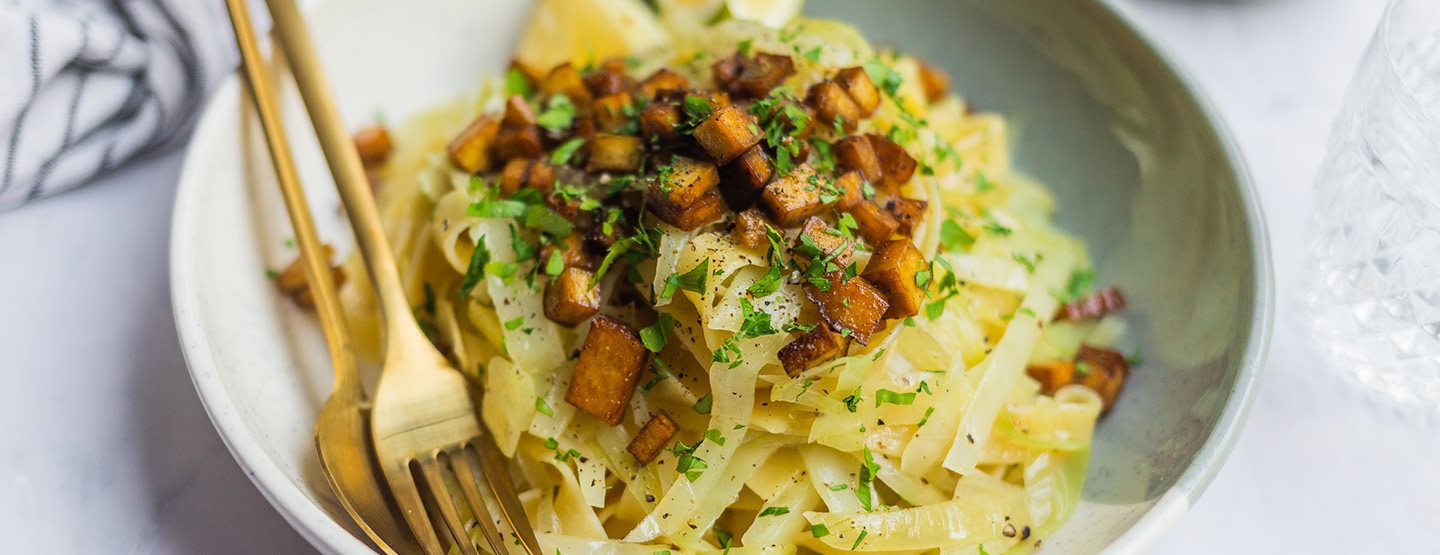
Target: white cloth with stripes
[[87, 84]]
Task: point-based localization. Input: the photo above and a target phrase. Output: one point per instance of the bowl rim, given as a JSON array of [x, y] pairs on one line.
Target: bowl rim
[[328, 535]]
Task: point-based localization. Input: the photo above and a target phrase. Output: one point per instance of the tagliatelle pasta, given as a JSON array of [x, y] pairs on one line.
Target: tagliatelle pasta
[[881, 364]]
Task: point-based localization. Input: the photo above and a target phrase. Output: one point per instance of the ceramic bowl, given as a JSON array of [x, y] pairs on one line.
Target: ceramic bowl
[[1142, 168]]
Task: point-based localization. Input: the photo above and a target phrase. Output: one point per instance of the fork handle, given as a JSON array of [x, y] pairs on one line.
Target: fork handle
[[345, 166]]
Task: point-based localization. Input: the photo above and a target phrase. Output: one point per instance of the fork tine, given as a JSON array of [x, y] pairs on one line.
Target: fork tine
[[498, 476], [413, 507], [446, 505], [460, 464]]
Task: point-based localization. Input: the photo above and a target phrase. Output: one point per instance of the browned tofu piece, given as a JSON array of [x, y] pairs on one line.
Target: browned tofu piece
[[374, 145], [892, 270], [876, 225], [660, 122], [935, 82], [726, 70], [814, 347], [896, 165], [792, 198], [907, 212], [571, 298], [749, 229], [566, 207], [608, 370], [522, 173], [572, 251], [598, 235], [473, 150], [609, 112], [293, 282], [833, 245], [532, 74], [1052, 375], [742, 180], [857, 153], [759, 74], [858, 85], [831, 103], [1092, 306], [566, 80], [684, 193], [852, 190], [652, 438], [517, 113], [707, 209], [728, 133], [1102, 370], [615, 153], [853, 305], [519, 137], [607, 81], [663, 81]]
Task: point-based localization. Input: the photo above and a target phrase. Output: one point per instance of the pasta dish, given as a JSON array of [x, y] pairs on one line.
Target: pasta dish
[[746, 284]]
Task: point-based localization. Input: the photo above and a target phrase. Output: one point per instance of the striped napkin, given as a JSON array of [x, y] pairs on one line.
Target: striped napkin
[[87, 84]]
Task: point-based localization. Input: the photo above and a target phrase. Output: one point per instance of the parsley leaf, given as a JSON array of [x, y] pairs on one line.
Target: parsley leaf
[[884, 75], [692, 281], [555, 264], [566, 151], [547, 220], [704, 405], [655, 335], [559, 114], [953, 237], [1080, 283], [885, 396], [515, 323], [813, 54], [768, 283], [543, 407], [476, 271], [517, 84], [819, 530], [755, 323], [925, 418], [867, 476], [775, 511]]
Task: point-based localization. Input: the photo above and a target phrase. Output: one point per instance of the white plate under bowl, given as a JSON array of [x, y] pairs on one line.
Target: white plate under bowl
[[1141, 167]]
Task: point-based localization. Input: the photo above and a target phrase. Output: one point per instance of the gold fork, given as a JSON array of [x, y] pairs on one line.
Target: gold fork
[[423, 419]]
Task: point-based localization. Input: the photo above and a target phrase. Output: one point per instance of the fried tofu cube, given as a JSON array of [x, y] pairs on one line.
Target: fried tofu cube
[[907, 212], [608, 81], [793, 198], [1052, 375], [566, 80], [707, 209], [934, 81], [860, 88], [293, 282], [517, 113], [1092, 306], [523, 173], [615, 153], [608, 370], [876, 225], [1102, 370], [750, 226], [896, 165], [663, 81], [752, 76], [652, 438], [812, 348], [854, 305], [852, 190], [571, 298], [831, 104], [742, 180], [571, 250], [609, 112], [892, 269], [517, 142], [374, 145], [857, 153], [833, 245], [684, 194], [473, 149], [660, 122], [728, 133]]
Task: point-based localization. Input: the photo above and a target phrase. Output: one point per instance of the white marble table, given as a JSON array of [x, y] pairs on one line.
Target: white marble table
[[120, 458]]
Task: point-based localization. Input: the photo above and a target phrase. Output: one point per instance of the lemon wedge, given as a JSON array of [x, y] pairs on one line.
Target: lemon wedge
[[586, 31], [770, 13]]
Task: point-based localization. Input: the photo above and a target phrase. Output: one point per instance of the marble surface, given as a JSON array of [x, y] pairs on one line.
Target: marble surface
[[116, 455]]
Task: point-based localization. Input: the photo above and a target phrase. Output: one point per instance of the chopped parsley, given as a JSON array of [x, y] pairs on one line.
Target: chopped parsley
[[813, 54], [884, 75], [885, 396], [852, 401], [926, 418], [543, 407], [1029, 262], [953, 237], [775, 511], [555, 264], [704, 405], [478, 260], [692, 281], [868, 468], [654, 336], [517, 84], [755, 323], [858, 539], [1082, 368], [1080, 283], [559, 114], [515, 323], [686, 462], [819, 530], [566, 151], [768, 283]]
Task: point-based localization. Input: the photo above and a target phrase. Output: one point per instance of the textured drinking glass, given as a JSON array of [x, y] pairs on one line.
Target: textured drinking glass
[[1376, 224]]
